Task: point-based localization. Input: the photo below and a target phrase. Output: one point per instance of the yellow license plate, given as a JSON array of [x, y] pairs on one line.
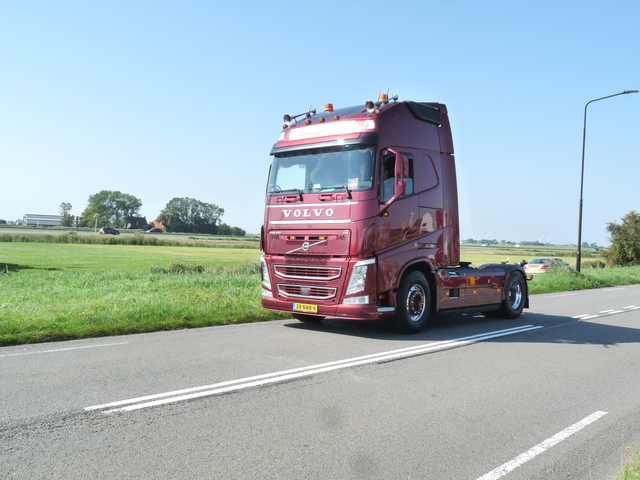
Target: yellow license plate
[[305, 307]]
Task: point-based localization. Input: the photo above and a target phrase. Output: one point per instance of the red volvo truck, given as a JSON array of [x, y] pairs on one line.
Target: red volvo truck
[[361, 221]]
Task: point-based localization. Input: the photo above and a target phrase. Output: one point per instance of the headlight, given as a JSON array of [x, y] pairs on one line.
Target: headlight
[[265, 273], [358, 277]]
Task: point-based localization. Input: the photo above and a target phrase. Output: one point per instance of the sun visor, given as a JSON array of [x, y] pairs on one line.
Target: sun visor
[[425, 112]]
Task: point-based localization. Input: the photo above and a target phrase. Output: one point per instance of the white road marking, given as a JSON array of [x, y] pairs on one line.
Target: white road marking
[[505, 468], [563, 295], [56, 350], [586, 316], [275, 377]]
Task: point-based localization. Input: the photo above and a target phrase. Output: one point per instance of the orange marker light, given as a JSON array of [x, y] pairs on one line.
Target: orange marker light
[[328, 107]]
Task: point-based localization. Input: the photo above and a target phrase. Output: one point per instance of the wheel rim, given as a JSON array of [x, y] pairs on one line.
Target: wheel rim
[[415, 303], [515, 295]]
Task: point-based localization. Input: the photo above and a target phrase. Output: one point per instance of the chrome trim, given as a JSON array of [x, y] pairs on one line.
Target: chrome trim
[[300, 222], [304, 277], [324, 204], [303, 288], [386, 309]]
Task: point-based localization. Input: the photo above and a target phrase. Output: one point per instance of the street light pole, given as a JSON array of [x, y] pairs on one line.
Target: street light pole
[[584, 136]]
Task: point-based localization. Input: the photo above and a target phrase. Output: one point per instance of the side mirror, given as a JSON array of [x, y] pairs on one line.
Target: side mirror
[[401, 172]]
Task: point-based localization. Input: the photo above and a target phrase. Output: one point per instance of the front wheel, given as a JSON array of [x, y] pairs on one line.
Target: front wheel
[[412, 304], [513, 302]]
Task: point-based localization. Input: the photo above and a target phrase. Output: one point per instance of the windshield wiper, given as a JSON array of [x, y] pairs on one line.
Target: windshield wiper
[[349, 196], [296, 190]]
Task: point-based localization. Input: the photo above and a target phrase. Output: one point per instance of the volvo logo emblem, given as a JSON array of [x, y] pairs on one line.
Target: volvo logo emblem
[[306, 246]]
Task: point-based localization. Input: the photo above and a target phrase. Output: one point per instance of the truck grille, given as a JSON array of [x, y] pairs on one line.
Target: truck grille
[[300, 291], [307, 272], [302, 243]]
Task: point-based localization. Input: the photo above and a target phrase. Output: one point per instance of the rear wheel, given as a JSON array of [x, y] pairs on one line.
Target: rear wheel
[[307, 318], [513, 302], [412, 304]]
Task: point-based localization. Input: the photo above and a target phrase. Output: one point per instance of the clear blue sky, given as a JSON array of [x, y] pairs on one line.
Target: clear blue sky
[[163, 99]]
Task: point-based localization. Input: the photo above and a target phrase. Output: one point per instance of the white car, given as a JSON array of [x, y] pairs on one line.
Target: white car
[[545, 264]]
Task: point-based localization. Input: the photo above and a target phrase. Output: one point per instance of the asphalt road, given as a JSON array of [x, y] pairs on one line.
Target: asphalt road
[[552, 395]]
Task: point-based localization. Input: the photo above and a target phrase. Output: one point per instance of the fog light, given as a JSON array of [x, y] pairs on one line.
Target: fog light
[[363, 300], [267, 293]]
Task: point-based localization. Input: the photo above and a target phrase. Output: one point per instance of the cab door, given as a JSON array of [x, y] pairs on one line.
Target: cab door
[[399, 220]]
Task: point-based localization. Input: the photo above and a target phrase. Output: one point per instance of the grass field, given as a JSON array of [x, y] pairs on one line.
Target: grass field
[[57, 291]]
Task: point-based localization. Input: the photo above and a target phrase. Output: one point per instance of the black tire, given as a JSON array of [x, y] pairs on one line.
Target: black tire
[[307, 318], [514, 291], [413, 302]]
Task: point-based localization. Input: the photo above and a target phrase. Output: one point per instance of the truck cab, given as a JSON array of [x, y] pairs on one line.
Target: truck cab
[[361, 220]]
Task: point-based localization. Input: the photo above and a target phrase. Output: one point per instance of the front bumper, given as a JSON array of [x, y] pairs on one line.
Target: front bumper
[[347, 312]]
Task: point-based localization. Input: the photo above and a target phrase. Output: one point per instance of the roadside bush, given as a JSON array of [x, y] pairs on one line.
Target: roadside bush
[[594, 264], [136, 239], [625, 241]]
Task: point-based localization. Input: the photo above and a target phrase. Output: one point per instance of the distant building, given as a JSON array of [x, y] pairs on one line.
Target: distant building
[[137, 222], [41, 220]]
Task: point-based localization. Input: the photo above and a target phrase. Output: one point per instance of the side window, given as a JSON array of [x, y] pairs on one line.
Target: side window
[[387, 177]]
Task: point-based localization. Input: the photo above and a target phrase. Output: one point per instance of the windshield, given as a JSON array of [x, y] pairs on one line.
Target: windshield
[[323, 170]]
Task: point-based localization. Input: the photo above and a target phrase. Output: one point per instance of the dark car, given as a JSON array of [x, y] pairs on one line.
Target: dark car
[[109, 231], [154, 230]]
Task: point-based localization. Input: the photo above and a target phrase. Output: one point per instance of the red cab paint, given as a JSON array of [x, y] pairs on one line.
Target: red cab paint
[[361, 221]]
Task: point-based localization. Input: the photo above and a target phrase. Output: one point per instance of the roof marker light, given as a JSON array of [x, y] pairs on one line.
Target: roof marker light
[[328, 107]]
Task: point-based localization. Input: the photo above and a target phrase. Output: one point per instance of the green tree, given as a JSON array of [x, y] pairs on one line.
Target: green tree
[[65, 211], [110, 208], [184, 214], [224, 229], [625, 241]]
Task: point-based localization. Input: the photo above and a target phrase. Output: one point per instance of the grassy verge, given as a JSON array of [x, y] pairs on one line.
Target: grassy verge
[[57, 291], [631, 470], [59, 305], [562, 281]]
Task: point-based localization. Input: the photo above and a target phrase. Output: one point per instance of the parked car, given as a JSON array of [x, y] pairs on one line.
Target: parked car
[[544, 265], [109, 231], [154, 230]]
